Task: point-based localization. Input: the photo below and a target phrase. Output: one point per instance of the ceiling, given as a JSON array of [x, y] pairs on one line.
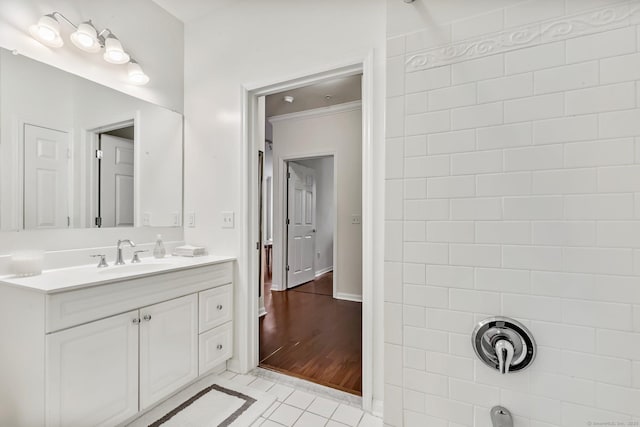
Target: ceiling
[[340, 90], [189, 10]]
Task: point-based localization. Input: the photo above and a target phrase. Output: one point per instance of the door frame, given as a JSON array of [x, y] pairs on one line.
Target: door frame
[[247, 347], [284, 168]]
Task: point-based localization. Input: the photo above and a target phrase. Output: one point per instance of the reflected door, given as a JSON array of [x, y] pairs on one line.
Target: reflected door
[[46, 178], [116, 182], [301, 220]]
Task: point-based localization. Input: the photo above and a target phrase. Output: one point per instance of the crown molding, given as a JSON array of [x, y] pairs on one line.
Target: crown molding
[[594, 21], [316, 112]]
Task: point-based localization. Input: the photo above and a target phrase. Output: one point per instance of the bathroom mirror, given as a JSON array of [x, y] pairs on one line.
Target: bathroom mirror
[[76, 154]]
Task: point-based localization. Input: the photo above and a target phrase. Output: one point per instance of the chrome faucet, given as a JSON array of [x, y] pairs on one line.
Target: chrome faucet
[[119, 260]]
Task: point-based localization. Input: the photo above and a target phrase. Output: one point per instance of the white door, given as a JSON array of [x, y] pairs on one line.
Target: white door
[[46, 178], [168, 348], [92, 373], [116, 181], [301, 219]]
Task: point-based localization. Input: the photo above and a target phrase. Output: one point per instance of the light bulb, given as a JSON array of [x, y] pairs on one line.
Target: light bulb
[[86, 37], [114, 53], [47, 31], [136, 75]]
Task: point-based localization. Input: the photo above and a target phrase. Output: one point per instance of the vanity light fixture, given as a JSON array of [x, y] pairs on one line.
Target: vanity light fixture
[[87, 38]]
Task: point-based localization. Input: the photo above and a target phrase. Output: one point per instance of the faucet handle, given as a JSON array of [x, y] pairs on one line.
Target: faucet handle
[[504, 351], [136, 258], [103, 262]]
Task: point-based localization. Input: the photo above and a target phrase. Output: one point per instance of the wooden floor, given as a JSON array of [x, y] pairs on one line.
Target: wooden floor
[[309, 334]]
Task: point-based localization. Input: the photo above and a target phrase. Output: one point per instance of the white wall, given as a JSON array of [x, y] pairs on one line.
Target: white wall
[[233, 47], [512, 189], [325, 205], [149, 33]]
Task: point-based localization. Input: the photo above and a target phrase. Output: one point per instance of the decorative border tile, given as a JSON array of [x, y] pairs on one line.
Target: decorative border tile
[[545, 32]]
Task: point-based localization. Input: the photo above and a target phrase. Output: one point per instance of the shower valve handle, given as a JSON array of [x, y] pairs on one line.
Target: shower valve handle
[[504, 352]]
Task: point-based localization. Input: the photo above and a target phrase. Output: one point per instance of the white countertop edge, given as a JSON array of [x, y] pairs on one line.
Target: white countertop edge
[[54, 280]]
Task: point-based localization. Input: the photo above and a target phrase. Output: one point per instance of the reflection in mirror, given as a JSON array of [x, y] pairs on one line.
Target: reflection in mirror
[[74, 153]]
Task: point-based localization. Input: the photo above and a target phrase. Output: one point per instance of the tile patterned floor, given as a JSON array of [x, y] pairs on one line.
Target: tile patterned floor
[[303, 404]]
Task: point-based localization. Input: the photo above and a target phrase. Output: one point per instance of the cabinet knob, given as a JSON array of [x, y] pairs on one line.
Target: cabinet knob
[[135, 321], [147, 317], [219, 307], [219, 346]]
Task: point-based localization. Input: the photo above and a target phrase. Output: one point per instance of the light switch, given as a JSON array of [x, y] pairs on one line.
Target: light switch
[[191, 219], [175, 219], [227, 220], [356, 219], [146, 219]]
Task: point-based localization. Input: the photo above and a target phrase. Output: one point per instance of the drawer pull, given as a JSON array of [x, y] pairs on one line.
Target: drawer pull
[[219, 346], [147, 317], [135, 321], [219, 307]]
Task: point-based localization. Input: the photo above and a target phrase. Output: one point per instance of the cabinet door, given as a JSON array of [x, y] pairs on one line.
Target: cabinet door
[[92, 373], [168, 347]]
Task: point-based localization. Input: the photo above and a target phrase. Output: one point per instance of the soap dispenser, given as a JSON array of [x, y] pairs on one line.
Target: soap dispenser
[[158, 250]]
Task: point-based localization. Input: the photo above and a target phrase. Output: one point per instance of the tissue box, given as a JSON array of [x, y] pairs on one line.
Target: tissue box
[[189, 250]]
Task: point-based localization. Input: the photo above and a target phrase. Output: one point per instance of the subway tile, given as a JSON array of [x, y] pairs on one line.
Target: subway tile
[[477, 25], [416, 103], [436, 297], [413, 315], [393, 404], [618, 344], [477, 69], [395, 76], [393, 323], [477, 116], [474, 301], [502, 280], [427, 166], [538, 408], [415, 295], [394, 158], [416, 419], [503, 232], [452, 97], [449, 409], [428, 123], [571, 181], [598, 260], [395, 46], [566, 77], [504, 184], [515, 381], [452, 366], [454, 186], [534, 158], [450, 231], [459, 345], [535, 58], [535, 207], [414, 231], [413, 401], [450, 321], [532, 258], [450, 276], [620, 399], [620, 68], [564, 388], [601, 45], [534, 108], [428, 253], [393, 201], [600, 206], [574, 6], [569, 129], [432, 78], [476, 162], [564, 233], [414, 358], [598, 368], [395, 117], [425, 339], [415, 188], [393, 242], [532, 11], [475, 255], [619, 124], [601, 99], [619, 234], [476, 394], [413, 273], [597, 314], [532, 307], [507, 136], [555, 335], [598, 153], [415, 146], [476, 209], [393, 282], [516, 86], [423, 210], [586, 286], [431, 36], [451, 142], [617, 179], [578, 415]]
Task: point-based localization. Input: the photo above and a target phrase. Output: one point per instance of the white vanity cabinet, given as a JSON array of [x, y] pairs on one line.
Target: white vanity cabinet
[[111, 350]]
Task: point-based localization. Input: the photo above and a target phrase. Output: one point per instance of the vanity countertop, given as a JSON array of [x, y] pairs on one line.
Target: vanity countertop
[[71, 278]]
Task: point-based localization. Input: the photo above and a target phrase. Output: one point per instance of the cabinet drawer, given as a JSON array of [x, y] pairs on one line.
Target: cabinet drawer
[[215, 347], [216, 307]]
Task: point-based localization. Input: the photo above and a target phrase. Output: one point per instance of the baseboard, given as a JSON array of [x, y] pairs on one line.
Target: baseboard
[[348, 297], [377, 408], [323, 271], [262, 311]]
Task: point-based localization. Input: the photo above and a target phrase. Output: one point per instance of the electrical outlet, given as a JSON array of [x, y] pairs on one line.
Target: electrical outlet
[[146, 219], [191, 219], [356, 219], [227, 219]]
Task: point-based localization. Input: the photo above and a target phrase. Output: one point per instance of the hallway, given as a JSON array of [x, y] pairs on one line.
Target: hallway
[[308, 334]]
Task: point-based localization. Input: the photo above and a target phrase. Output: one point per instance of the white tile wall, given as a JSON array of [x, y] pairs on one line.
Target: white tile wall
[[520, 197]]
